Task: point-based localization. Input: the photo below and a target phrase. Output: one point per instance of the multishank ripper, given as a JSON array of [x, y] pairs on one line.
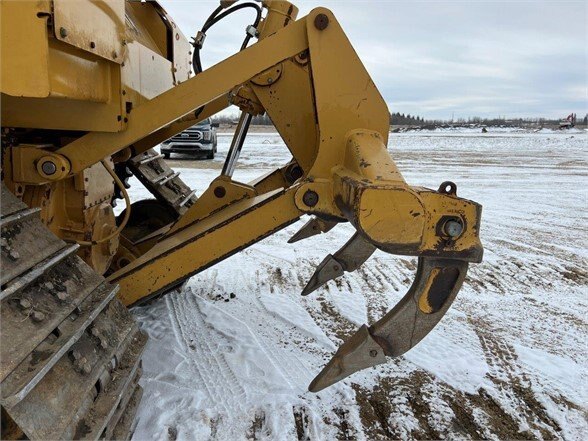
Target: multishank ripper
[[307, 77]]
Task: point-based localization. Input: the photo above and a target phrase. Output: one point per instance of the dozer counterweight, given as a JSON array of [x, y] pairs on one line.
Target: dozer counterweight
[[88, 89]]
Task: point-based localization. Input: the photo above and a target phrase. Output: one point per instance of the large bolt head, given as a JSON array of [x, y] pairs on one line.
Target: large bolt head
[[49, 168], [453, 228], [220, 192], [310, 198], [321, 21], [52, 166]]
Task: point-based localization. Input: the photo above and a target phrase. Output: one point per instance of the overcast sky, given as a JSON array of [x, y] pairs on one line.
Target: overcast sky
[[438, 58]]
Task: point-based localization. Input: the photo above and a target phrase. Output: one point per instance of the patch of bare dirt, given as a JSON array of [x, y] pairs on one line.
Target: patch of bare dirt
[[345, 430], [576, 275], [510, 379], [375, 410], [338, 325], [301, 423], [255, 432]]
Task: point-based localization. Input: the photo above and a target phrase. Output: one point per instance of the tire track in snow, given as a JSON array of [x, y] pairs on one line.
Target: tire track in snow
[[194, 335], [176, 326], [269, 336], [286, 361], [217, 359]]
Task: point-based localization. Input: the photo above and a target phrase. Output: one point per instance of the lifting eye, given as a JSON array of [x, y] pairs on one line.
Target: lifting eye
[[448, 187]]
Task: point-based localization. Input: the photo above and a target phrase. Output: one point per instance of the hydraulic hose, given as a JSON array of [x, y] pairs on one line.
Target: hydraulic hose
[[245, 119], [127, 209], [214, 18]]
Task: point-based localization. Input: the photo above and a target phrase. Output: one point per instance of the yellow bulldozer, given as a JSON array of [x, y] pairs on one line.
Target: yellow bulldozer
[[89, 88]]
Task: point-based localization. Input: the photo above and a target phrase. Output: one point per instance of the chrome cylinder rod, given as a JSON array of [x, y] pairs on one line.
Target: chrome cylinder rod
[[236, 144]]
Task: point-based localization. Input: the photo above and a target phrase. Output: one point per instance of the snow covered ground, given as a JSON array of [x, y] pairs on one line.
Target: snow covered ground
[[231, 356]]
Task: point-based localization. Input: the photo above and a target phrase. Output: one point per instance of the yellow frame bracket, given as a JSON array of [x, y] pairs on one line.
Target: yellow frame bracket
[[202, 244]]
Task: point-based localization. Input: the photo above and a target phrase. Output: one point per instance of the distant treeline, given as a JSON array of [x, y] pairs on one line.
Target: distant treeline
[[404, 120], [401, 119]]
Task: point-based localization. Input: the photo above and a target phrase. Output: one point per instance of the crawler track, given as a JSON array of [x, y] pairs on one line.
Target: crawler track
[[70, 353]]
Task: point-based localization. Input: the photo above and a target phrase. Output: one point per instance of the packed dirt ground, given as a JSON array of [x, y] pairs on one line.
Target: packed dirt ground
[[230, 357]]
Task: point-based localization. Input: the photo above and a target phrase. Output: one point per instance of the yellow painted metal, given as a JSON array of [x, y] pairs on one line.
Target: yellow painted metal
[[89, 84], [295, 88], [439, 205], [180, 47], [75, 208], [50, 113], [188, 96], [211, 201], [154, 45], [280, 14], [96, 26], [79, 76], [400, 219], [141, 77], [128, 64], [201, 244], [221, 193], [345, 96], [82, 212], [23, 44], [424, 303], [243, 96], [27, 163], [329, 93], [366, 154], [144, 26], [349, 187], [280, 178], [268, 76], [386, 215], [373, 195]]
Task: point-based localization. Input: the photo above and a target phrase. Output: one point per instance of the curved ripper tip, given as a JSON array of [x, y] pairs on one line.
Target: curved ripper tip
[[347, 259], [330, 268], [359, 352], [311, 228], [436, 285]]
